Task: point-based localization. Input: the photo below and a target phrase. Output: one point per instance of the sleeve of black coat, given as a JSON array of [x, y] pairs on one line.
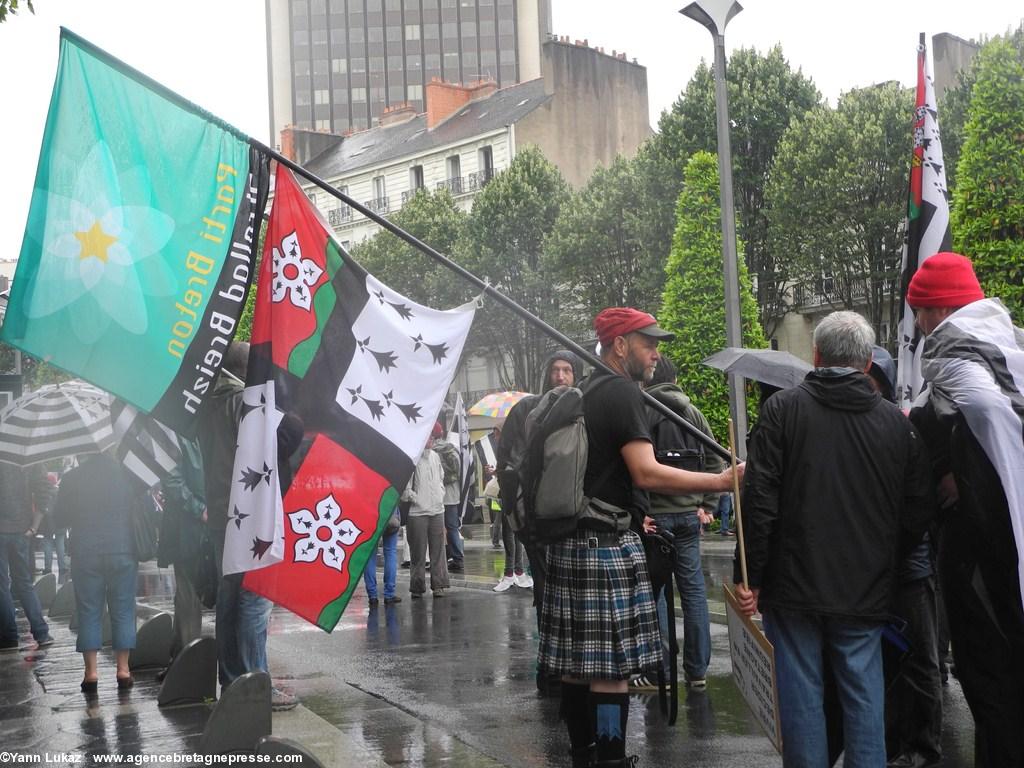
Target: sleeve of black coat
[[762, 485], [509, 450], [919, 505]]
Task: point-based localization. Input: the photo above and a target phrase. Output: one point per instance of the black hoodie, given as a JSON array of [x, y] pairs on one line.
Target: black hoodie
[[513, 433], [835, 477]]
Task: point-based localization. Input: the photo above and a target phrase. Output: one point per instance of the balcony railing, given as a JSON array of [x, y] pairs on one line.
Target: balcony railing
[[409, 194], [479, 179], [377, 205], [454, 185], [340, 215], [830, 292]]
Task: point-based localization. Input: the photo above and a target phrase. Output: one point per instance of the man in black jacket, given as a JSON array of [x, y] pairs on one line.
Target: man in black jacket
[[834, 482]]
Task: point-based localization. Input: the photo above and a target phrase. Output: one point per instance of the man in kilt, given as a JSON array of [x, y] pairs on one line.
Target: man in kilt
[[598, 624]]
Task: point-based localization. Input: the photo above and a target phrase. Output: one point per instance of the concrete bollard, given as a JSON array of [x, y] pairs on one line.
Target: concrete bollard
[[192, 677], [152, 643], [241, 718]]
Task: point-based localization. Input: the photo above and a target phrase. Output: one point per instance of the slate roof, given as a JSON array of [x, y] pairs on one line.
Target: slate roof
[[384, 143]]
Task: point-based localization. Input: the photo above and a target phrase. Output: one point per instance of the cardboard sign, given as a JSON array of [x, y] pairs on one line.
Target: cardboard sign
[[753, 669]]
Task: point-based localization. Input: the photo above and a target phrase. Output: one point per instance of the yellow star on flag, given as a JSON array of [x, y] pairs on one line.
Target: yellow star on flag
[[95, 242]]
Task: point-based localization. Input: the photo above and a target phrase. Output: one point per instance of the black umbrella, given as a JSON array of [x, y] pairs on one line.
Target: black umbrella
[[770, 366]]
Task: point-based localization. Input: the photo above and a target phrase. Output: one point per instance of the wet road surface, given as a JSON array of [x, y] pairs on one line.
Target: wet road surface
[[431, 682]]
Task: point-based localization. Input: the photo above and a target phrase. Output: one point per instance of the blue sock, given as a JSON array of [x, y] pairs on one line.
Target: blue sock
[[609, 714]]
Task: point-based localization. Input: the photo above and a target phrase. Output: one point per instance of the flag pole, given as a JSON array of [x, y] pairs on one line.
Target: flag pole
[[737, 513], [485, 288]]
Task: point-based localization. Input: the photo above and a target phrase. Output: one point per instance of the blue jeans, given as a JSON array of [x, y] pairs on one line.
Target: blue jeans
[[241, 626], [390, 543], [16, 582], [452, 524], [696, 645], [725, 512], [109, 580], [55, 543], [855, 652]]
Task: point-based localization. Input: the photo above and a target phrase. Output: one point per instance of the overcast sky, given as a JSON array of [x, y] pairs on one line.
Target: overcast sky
[[214, 53]]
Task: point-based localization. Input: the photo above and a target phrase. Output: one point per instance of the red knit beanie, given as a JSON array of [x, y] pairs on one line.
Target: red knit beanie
[[944, 280], [437, 431]]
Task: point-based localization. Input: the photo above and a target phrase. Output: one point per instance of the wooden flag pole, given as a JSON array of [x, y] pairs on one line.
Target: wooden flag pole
[[486, 289], [737, 513]]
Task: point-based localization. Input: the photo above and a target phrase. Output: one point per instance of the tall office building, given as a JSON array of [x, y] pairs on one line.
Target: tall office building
[[335, 65]]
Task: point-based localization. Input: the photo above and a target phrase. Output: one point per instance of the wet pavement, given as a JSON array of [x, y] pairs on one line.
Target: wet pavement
[[433, 682]]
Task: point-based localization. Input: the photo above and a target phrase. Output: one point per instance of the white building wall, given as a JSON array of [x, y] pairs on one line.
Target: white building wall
[[396, 181]]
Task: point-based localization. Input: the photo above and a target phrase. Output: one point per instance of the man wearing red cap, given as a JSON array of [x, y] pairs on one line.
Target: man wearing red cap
[[598, 620], [972, 418]]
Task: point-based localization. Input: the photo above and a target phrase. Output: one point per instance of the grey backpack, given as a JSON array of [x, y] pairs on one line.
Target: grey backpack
[[551, 503]]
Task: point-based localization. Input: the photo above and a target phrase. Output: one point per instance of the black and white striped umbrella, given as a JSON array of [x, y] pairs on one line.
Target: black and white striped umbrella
[[54, 421], [145, 446]]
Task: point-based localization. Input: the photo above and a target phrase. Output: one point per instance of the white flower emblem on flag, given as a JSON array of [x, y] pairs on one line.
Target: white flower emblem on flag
[[324, 534], [294, 275], [255, 532]]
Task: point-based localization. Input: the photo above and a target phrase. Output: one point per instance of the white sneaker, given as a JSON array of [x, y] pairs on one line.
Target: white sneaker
[[505, 584], [524, 580]]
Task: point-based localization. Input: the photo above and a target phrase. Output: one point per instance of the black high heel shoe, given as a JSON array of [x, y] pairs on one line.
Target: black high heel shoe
[[90, 687], [124, 683]]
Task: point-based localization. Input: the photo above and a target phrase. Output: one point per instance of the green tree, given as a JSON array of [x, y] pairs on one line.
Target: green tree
[[955, 104], [597, 246], [765, 94], [35, 373], [988, 203], [693, 305], [503, 243], [244, 332], [11, 7], [434, 219], [836, 201]]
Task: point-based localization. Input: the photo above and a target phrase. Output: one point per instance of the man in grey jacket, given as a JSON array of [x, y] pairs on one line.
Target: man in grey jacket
[[682, 515]]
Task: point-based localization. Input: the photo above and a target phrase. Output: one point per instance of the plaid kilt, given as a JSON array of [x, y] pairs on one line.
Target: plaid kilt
[[598, 620]]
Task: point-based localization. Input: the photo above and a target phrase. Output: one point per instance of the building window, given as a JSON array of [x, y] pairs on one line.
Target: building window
[[302, 68], [339, 66], [412, 31], [379, 188], [358, 94], [416, 177], [414, 92], [323, 125], [322, 96], [485, 161]]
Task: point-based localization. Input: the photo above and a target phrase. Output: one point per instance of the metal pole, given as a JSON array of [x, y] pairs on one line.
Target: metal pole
[[733, 332], [486, 289]]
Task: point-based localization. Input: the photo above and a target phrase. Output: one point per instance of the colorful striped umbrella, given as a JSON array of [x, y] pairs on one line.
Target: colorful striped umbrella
[[497, 404], [54, 421]]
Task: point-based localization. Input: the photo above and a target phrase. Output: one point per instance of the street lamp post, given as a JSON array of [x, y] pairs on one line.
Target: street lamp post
[[715, 15]]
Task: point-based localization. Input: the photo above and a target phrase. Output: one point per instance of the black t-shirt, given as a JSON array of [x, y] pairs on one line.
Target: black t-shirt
[[614, 410]]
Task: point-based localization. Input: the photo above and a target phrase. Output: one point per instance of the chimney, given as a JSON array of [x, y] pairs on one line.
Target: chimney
[[288, 142], [445, 99], [402, 112]]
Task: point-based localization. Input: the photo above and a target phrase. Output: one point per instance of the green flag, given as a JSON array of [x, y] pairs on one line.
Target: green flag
[[139, 247]]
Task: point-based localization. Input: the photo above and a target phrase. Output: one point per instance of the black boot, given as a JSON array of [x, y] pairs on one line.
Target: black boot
[[583, 757]]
